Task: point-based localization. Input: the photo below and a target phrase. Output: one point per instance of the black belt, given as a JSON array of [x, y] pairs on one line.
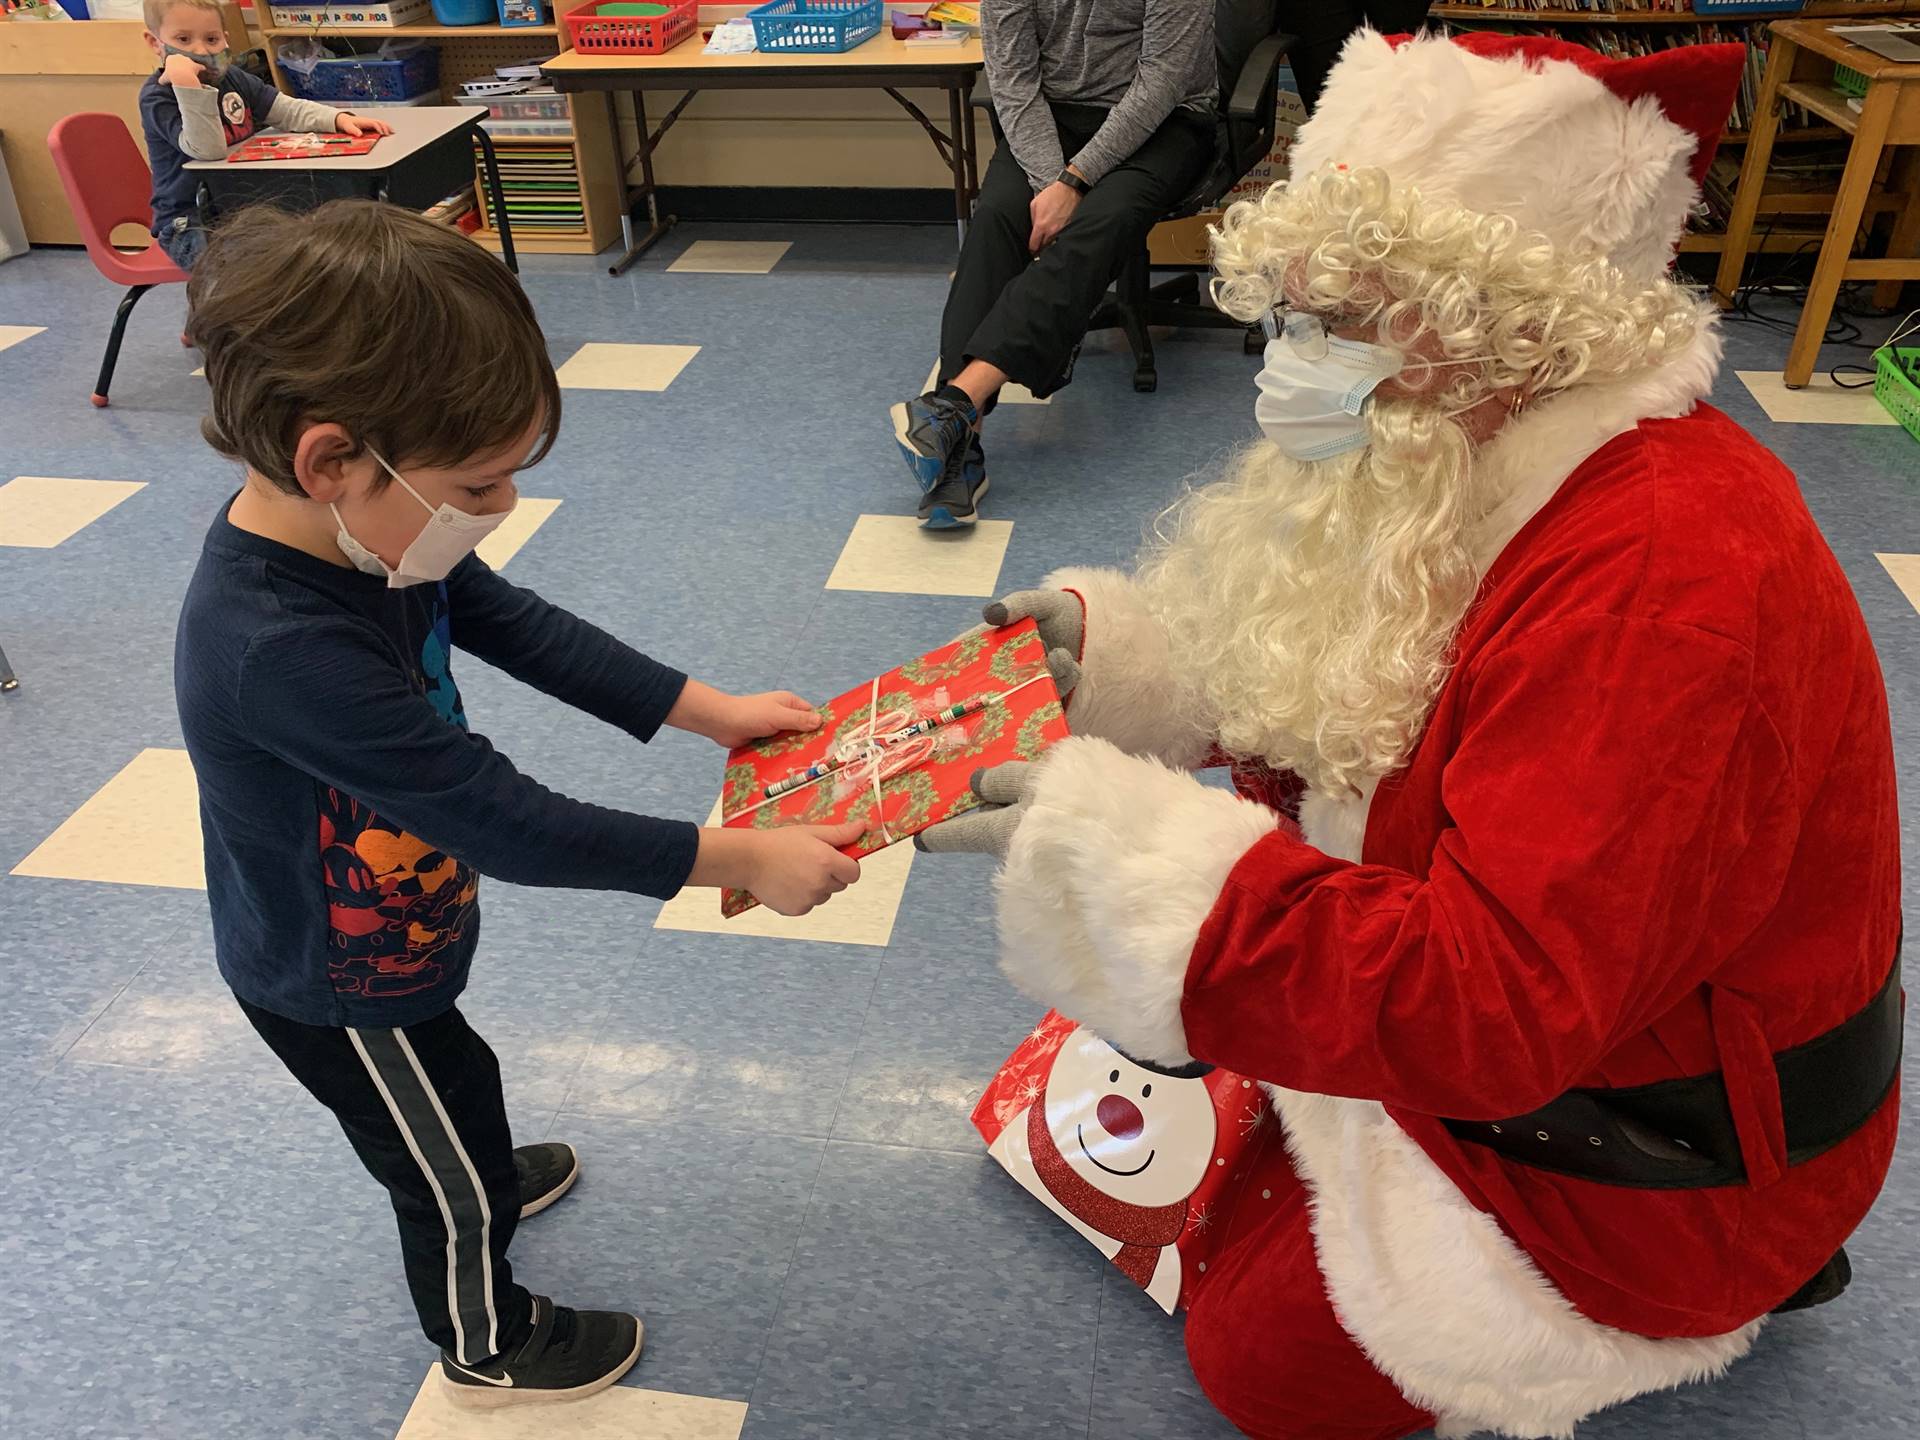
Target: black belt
[[1680, 1135]]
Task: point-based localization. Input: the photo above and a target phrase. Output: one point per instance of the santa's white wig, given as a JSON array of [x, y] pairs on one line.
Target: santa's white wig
[[1315, 604]]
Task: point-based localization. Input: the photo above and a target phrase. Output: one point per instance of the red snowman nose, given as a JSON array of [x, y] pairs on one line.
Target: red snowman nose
[[1120, 1117]]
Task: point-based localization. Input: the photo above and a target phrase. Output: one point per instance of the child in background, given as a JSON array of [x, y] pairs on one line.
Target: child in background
[[383, 379], [196, 106]]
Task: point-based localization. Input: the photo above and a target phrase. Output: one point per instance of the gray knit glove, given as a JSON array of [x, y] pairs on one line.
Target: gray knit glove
[[1002, 791], [1061, 623]]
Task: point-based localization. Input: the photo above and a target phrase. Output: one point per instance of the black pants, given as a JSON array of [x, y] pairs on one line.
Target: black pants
[[423, 1109], [1324, 25], [1025, 313]]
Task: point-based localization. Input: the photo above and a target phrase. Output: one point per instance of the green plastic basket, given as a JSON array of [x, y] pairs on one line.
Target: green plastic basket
[[1849, 81], [1896, 384]]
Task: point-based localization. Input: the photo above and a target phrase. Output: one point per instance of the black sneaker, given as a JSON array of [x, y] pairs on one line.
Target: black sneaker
[[931, 430], [546, 1173], [955, 500], [570, 1354]]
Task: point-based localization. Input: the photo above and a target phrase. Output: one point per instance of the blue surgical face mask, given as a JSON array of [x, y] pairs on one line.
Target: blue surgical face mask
[[213, 62], [1313, 388]]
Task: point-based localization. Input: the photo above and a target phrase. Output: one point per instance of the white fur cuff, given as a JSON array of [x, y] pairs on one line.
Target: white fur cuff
[[1128, 692], [1116, 865]]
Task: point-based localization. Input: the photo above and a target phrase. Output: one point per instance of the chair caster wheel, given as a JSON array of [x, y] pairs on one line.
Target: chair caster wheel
[[1252, 341], [1145, 382], [99, 401]]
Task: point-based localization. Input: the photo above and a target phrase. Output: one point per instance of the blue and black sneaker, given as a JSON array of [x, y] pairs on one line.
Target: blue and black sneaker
[[931, 430], [954, 501]]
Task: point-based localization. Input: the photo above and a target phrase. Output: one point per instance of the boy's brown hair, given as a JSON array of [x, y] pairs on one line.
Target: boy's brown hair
[[155, 11], [362, 314]]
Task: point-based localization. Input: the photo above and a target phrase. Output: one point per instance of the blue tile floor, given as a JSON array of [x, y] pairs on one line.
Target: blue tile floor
[[779, 1172]]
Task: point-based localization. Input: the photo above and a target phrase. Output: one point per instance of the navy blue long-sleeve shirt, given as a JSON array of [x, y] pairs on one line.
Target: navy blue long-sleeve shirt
[[347, 809]]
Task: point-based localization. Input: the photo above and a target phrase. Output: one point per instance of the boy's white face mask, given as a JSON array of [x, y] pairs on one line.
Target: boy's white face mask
[[448, 537]]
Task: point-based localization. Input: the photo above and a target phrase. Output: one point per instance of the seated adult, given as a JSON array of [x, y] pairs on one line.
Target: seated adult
[[1559, 906], [1105, 110]]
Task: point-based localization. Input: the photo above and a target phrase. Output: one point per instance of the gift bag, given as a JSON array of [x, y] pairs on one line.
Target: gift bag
[[1146, 1163], [900, 751]]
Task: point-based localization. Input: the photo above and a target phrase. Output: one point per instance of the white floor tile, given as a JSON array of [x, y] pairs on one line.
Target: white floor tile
[[604, 366], [625, 1412], [14, 334], [894, 554], [730, 257], [141, 828], [1820, 403], [1012, 393], [527, 516], [1905, 570], [40, 511], [862, 914]]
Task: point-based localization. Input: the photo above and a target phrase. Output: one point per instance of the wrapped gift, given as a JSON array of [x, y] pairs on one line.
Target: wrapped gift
[[899, 752], [1146, 1163]]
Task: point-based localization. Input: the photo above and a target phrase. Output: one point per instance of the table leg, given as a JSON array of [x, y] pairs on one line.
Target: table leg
[[656, 227], [1752, 183], [972, 142], [502, 226], [956, 129], [1904, 243], [1856, 181]]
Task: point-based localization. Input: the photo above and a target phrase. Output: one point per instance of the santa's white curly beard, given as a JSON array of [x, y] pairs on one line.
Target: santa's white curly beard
[[1311, 606]]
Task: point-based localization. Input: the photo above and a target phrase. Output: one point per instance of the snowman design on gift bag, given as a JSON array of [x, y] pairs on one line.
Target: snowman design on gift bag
[[1115, 1148]]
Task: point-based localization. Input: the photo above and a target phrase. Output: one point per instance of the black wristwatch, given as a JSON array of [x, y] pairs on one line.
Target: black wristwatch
[[1072, 181]]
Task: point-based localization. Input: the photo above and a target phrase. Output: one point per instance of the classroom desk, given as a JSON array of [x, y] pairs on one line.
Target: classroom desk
[[1800, 66], [427, 158], [882, 63]]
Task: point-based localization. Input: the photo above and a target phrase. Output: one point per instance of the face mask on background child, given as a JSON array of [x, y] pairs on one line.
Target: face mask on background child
[[213, 62], [448, 537]]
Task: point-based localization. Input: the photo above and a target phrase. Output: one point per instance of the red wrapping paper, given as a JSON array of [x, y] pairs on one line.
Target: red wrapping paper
[[1008, 662], [1147, 1166]]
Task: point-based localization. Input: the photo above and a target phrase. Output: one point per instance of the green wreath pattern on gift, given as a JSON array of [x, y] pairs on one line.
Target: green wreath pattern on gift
[[986, 728], [1012, 664], [966, 650], [741, 786], [1031, 741]]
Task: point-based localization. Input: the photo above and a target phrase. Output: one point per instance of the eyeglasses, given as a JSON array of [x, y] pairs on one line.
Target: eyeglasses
[[1305, 334]]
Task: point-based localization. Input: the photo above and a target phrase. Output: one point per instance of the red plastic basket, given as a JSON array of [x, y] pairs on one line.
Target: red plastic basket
[[632, 34]]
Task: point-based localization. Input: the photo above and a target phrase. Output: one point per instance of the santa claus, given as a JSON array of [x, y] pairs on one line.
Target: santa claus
[[1558, 903]]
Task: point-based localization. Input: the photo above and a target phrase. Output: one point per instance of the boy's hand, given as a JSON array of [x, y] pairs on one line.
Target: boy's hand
[[730, 720], [797, 867], [181, 71], [359, 125]]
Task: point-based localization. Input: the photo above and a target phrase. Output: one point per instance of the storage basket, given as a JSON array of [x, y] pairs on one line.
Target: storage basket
[[632, 34], [1896, 384], [370, 77], [815, 26]]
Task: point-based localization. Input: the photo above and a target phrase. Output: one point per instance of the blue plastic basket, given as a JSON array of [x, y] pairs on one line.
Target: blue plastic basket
[[367, 77], [1747, 7], [818, 26]]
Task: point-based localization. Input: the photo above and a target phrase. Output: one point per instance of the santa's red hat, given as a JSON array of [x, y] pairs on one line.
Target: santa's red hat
[[1603, 156]]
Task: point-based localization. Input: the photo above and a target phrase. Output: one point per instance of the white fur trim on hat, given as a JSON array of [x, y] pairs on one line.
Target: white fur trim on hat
[[1116, 865], [1128, 691], [1544, 143]]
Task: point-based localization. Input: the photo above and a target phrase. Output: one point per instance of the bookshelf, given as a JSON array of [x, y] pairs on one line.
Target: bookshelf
[[468, 52], [1630, 26]]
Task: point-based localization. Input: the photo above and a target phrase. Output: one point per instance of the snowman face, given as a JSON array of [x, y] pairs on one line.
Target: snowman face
[[1138, 1136]]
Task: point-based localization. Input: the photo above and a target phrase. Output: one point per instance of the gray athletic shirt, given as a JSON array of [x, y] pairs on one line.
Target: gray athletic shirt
[[1140, 58]]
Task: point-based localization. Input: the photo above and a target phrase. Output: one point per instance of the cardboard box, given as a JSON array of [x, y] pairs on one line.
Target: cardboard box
[[373, 15], [1184, 242]]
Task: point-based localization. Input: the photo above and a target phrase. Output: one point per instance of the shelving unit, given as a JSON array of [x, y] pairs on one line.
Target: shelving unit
[[1810, 208], [468, 52]]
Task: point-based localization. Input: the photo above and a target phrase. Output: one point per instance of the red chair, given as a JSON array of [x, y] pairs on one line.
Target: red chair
[[108, 184]]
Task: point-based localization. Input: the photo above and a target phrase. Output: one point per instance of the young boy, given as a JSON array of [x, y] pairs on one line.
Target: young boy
[[195, 106], [382, 379]]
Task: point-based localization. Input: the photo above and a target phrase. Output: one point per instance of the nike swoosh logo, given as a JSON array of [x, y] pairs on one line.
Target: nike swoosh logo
[[505, 1381]]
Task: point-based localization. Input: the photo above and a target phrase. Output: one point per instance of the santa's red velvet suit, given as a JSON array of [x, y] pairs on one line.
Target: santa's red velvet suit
[[1648, 832]]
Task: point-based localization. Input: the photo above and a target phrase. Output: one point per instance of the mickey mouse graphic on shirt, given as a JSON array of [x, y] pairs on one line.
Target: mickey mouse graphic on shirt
[[1115, 1148]]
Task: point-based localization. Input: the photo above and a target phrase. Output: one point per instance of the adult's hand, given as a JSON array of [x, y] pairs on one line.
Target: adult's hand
[[988, 829], [1052, 208]]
